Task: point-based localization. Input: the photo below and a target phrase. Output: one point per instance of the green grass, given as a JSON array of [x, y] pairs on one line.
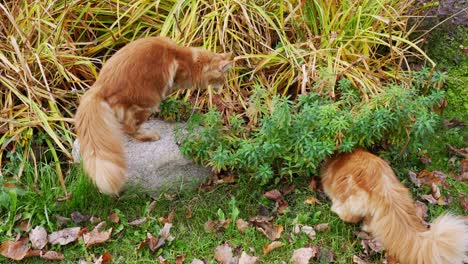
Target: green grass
[[191, 239]]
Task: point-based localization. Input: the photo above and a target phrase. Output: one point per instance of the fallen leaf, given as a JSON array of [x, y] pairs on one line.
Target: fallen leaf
[[226, 179], [94, 220], [287, 189], [162, 260], [359, 260], [138, 221], [463, 202], [114, 217], [435, 191], [170, 197], [309, 231], [242, 225], [64, 236], [61, 220], [363, 235], [179, 259], [169, 218], [312, 200], [462, 153], [189, 213], [421, 209], [322, 227], [414, 179], [270, 230], [273, 195], [24, 225], [98, 228], [280, 206], [151, 207], [273, 245], [425, 159], [224, 254], [96, 237], [325, 255], [313, 184], [14, 250], [429, 198], [217, 225], [463, 171], [77, 217], [371, 246], [297, 229], [164, 233], [303, 255], [247, 259], [52, 255], [38, 237], [197, 261]]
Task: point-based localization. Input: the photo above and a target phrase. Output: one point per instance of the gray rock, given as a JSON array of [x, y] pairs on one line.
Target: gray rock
[[157, 164]]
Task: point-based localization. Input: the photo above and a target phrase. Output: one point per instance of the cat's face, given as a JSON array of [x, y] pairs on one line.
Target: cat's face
[[215, 68]]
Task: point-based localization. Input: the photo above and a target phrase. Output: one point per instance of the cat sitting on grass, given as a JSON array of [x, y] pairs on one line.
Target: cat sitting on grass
[[363, 187], [130, 86]]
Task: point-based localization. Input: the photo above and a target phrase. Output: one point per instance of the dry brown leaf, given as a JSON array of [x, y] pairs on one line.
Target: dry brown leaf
[[189, 213], [96, 237], [197, 261], [179, 259], [273, 195], [224, 254], [169, 218], [242, 225], [287, 189], [414, 179], [61, 220], [165, 232], [371, 246], [77, 217], [52, 255], [312, 200], [429, 198], [218, 225], [138, 221], [462, 153], [99, 227], [162, 260], [273, 245], [325, 255], [270, 230], [247, 259], [280, 206], [94, 220], [226, 179], [463, 202], [359, 260], [38, 237], [170, 197], [363, 235], [425, 159], [322, 227], [309, 231], [64, 236], [303, 255], [151, 207], [14, 250], [313, 184], [114, 218], [24, 225]]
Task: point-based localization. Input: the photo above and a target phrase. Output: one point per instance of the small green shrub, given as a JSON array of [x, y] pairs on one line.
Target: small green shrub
[[295, 137]]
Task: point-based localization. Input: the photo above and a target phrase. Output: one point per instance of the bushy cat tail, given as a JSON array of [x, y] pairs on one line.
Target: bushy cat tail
[[405, 237], [446, 241], [100, 137]]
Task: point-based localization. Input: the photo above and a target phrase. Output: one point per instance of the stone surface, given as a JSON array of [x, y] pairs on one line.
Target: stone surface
[[157, 164]]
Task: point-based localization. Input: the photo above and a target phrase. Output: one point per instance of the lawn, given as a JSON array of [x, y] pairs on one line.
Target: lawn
[[287, 50]]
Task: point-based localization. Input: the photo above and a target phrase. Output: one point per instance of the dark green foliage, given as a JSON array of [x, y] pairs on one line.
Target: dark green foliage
[[295, 137]]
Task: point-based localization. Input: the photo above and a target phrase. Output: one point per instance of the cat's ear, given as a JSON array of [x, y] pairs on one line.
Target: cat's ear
[[225, 65], [226, 55]]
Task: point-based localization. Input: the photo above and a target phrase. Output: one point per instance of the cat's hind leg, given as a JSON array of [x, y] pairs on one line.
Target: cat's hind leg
[[131, 124]]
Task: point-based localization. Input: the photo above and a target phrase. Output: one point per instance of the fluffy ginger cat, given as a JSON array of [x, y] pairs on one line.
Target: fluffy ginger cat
[[129, 88], [362, 186]]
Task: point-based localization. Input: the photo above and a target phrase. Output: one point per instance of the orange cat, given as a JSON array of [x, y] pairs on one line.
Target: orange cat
[[362, 186], [130, 86]]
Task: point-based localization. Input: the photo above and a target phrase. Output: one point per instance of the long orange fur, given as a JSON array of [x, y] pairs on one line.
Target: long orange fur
[[362, 186], [129, 88]]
